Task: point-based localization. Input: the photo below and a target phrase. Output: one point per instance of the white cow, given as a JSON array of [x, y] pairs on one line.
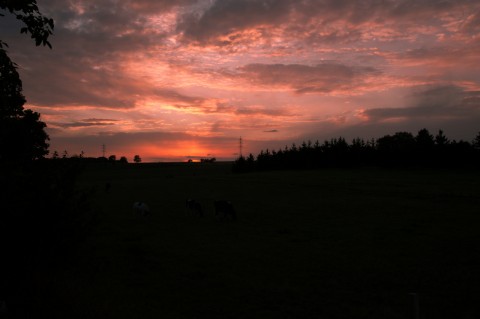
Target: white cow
[[141, 208]]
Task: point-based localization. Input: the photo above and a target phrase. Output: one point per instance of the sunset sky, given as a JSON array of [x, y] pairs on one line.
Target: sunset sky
[[177, 79]]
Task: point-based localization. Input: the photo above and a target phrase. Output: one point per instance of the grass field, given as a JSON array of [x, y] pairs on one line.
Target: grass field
[[307, 244]]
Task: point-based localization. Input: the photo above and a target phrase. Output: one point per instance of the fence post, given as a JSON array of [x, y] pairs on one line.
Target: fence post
[[416, 305]]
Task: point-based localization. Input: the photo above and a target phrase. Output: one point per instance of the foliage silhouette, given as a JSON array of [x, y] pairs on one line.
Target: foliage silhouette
[[401, 149], [476, 142], [44, 218], [22, 134], [208, 160], [39, 26], [44, 214], [11, 97]]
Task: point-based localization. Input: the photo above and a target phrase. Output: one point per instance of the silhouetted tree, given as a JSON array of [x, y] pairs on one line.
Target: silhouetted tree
[[243, 164], [424, 140], [250, 160], [137, 159], [440, 139], [123, 160], [22, 134], [208, 160], [337, 151], [359, 152], [425, 143], [23, 138], [400, 142], [11, 97], [39, 26], [397, 149], [461, 153], [112, 158], [476, 142], [240, 165]]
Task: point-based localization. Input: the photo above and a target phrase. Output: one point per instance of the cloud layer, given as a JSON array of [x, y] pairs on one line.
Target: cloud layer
[[271, 71]]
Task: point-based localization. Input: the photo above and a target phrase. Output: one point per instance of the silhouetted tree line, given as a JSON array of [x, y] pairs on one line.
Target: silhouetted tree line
[[402, 149], [84, 159], [208, 160]]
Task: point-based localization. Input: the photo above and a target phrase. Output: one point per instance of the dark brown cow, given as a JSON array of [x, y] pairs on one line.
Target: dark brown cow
[[224, 209], [195, 207]]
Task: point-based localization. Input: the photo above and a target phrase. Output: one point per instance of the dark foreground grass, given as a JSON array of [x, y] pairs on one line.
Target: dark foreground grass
[[307, 244]]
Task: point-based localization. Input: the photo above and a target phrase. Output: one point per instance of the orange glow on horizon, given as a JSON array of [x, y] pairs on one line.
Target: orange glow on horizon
[[180, 151]]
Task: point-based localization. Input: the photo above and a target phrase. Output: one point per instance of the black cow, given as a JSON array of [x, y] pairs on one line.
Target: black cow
[[224, 209], [195, 207], [141, 208]]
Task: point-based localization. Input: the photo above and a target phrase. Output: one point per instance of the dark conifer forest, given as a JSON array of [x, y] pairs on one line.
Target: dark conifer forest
[[402, 149]]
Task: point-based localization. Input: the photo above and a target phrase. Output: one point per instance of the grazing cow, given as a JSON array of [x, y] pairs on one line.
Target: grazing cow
[[141, 208], [224, 209], [194, 207]]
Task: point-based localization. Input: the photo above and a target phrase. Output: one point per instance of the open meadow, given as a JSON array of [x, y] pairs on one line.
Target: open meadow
[[352, 243]]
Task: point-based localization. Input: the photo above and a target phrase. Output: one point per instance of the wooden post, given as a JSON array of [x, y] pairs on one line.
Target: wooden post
[[416, 305]]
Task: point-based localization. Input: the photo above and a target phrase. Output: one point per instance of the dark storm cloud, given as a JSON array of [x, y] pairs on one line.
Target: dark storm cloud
[[447, 102], [90, 81], [152, 6], [222, 22], [250, 110], [321, 78], [443, 55], [215, 107], [91, 34], [85, 123], [120, 26], [76, 81], [472, 24], [100, 26], [91, 41], [261, 111], [226, 16], [180, 100], [106, 15]]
